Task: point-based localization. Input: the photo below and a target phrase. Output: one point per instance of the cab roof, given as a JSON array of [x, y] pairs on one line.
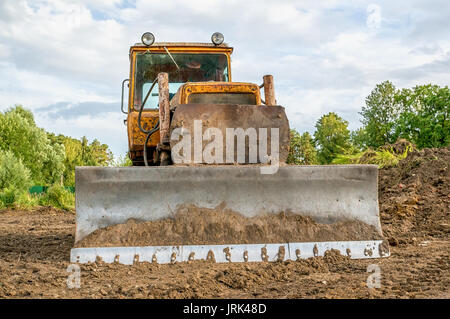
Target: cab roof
[[183, 44], [161, 45]]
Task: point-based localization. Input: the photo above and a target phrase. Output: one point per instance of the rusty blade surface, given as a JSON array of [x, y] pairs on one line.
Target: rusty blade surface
[[223, 116]]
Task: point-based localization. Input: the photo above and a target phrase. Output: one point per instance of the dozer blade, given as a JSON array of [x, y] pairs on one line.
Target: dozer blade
[[325, 194]]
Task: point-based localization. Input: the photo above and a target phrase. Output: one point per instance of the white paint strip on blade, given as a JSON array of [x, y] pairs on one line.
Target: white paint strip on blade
[[237, 253]]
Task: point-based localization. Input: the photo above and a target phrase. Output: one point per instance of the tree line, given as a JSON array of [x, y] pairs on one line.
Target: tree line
[[31, 156], [419, 115]]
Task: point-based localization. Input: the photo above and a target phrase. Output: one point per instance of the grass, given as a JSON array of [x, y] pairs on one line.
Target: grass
[[386, 156], [56, 196], [59, 197]]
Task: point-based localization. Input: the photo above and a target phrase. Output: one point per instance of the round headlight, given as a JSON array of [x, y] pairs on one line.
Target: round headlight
[[148, 38], [217, 38]]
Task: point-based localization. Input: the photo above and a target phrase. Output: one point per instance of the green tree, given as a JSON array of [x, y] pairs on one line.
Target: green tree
[[19, 109], [29, 144], [122, 161], [302, 150], [72, 158], [332, 137], [380, 115], [81, 153], [95, 154], [425, 116], [359, 139]]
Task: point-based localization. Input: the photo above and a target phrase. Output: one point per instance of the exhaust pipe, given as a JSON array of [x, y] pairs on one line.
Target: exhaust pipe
[[269, 90], [164, 119]]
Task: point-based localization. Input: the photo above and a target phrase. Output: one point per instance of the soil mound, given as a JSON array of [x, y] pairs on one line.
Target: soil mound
[[414, 197], [201, 226]]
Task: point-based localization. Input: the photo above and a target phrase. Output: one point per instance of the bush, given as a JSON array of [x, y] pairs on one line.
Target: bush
[[26, 200], [59, 197], [13, 174], [12, 198], [14, 180], [7, 198]]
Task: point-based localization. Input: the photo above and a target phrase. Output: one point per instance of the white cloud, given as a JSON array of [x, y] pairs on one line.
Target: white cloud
[[107, 127], [61, 39], [325, 55], [33, 89]]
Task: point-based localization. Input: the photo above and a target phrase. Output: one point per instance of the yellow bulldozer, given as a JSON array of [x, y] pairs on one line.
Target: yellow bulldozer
[[197, 75], [197, 139]]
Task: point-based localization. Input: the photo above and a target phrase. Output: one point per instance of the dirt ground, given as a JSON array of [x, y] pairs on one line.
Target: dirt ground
[[414, 207]]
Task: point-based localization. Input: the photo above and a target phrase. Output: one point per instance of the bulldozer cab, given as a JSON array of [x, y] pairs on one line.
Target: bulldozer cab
[[184, 62], [198, 73]]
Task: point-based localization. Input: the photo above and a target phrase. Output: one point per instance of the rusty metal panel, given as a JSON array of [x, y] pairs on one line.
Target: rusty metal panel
[[223, 116], [136, 138], [218, 87]]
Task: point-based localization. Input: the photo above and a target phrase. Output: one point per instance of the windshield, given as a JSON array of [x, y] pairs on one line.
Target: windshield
[[192, 68]]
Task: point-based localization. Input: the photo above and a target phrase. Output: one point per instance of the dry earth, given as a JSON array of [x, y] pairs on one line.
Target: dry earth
[[191, 225]]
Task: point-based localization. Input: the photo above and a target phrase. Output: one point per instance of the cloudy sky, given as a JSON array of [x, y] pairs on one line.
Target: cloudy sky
[[65, 59]]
